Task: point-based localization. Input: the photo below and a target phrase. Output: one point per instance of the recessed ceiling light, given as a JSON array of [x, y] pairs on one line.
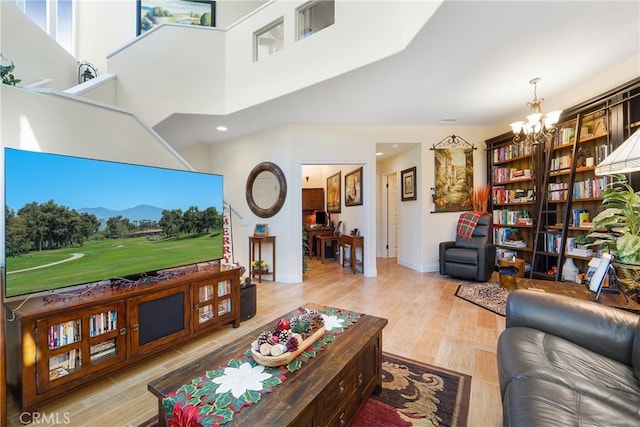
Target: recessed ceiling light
[[222, 128], [379, 153], [449, 120]]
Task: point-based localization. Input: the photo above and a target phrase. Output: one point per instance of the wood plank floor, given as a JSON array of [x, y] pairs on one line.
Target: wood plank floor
[[426, 323]]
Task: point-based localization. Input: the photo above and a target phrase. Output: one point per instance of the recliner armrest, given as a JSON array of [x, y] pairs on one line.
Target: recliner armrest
[[443, 248], [605, 330]]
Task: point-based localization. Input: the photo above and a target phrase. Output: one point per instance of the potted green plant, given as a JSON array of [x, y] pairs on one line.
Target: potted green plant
[[616, 229], [581, 240], [6, 71]]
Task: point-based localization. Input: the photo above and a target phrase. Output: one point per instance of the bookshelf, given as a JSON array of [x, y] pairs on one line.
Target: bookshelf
[[512, 199], [59, 345], [549, 227]]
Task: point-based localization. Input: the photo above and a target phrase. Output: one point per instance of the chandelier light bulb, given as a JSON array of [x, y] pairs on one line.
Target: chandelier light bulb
[[535, 130], [516, 127]]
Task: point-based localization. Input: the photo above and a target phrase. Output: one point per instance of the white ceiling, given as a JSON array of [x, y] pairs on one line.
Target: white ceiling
[[471, 63]]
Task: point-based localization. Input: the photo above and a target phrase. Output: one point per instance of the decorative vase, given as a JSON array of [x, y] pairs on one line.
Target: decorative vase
[[569, 271]]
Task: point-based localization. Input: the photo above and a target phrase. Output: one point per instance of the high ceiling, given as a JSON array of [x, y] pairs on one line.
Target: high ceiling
[[470, 65]]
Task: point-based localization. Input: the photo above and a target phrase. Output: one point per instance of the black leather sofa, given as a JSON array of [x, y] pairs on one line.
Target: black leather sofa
[[470, 259], [568, 362]]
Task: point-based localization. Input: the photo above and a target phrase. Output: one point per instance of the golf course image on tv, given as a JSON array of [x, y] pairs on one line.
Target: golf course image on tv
[[71, 221]]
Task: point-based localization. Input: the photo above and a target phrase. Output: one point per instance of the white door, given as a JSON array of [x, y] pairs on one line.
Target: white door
[[392, 215]]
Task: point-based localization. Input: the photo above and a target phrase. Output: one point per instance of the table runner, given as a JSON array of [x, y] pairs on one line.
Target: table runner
[[214, 398]]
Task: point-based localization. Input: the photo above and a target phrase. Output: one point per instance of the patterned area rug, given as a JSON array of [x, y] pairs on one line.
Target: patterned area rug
[[489, 296], [413, 394], [416, 394]]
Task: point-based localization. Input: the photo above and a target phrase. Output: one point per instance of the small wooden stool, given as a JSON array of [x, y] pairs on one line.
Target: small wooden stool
[[322, 240]]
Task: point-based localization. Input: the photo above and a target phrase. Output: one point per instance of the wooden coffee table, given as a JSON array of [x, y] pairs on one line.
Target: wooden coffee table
[[328, 389]]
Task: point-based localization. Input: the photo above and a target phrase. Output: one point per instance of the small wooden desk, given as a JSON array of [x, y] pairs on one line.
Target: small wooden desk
[[354, 242], [322, 240], [257, 242]]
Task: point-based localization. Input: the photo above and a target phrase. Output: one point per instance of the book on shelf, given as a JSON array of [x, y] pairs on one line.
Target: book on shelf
[[585, 252], [103, 322], [102, 350], [64, 333], [515, 243]]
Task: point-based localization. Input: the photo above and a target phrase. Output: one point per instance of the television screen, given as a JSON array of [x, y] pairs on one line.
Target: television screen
[[321, 217], [71, 221]]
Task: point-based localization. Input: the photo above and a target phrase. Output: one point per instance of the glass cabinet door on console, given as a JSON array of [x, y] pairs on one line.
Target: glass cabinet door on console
[[70, 346], [212, 301]]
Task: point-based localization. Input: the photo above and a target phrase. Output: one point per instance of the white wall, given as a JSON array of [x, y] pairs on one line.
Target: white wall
[[187, 75], [291, 147], [63, 125], [420, 229], [320, 151], [35, 55], [387, 29], [102, 27], [230, 11], [221, 64]]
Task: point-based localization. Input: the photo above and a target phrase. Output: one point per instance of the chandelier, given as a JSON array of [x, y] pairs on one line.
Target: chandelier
[[536, 129]]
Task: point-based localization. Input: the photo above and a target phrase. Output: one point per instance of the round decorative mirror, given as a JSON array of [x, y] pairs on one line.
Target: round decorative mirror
[[266, 189]]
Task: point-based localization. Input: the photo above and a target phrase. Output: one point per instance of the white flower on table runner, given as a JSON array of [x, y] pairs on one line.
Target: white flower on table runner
[[241, 379], [331, 322]]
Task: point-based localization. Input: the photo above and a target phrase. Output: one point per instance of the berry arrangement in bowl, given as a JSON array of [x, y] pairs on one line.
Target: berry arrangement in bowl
[[288, 338]]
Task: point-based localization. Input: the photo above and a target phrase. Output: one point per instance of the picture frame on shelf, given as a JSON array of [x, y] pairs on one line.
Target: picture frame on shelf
[[261, 230], [334, 189], [598, 268], [353, 188], [408, 184]]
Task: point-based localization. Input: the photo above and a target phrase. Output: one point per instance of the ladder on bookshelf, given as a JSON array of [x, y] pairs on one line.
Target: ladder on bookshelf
[[550, 237]]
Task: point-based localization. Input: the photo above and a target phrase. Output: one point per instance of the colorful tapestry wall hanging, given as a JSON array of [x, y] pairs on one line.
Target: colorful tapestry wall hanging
[[454, 175]]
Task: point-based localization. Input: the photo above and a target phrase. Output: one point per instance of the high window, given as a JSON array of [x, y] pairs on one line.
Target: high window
[[53, 16], [269, 40], [315, 16]]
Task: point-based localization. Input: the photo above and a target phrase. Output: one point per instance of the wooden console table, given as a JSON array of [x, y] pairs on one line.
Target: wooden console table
[[256, 242], [328, 389], [354, 242], [578, 291]]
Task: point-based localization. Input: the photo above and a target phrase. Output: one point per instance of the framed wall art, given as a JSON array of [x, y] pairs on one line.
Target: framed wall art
[[353, 188], [408, 184], [151, 13], [334, 204], [453, 158], [261, 230]]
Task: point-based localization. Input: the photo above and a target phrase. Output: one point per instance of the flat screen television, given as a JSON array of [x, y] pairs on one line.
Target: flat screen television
[[72, 221], [321, 217]]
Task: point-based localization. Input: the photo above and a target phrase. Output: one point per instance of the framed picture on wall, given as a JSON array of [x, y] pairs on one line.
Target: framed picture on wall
[[261, 230], [353, 188], [408, 184], [151, 13], [334, 204]]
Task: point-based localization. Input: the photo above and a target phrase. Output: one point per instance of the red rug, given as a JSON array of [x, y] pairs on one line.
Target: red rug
[[417, 394]]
